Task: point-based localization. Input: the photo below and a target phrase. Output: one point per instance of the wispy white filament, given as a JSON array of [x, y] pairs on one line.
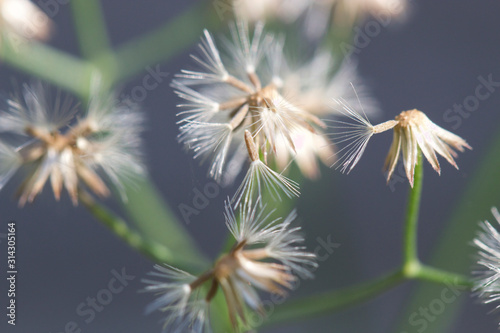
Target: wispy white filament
[[71, 148], [352, 136], [262, 179]]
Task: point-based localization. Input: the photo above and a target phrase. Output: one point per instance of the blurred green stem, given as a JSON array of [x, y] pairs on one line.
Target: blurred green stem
[[119, 227], [452, 252], [410, 246], [74, 74], [167, 41], [153, 218], [310, 306], [156, 221], [90, 27], [334, 300], [431, 274], [47, 63], [411, 269]]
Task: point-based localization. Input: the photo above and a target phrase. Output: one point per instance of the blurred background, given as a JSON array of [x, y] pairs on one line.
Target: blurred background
[[431, 61]]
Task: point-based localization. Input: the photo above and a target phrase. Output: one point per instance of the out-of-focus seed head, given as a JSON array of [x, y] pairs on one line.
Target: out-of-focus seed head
[[71, 149], [23, 19]]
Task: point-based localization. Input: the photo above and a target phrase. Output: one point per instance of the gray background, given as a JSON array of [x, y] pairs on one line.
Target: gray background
[[430, 62]]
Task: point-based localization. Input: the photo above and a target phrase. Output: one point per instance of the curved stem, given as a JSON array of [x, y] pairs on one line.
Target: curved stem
[[452, 253], [410, 249], [334, 300], [154, 250], [411, 268]]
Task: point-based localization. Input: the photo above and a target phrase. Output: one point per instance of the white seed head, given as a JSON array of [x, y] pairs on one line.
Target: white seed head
[[208, 141], [185, 311], [25, 19], [487, 274], [267, 255], [74, 152], [414, 131], [242, 90]]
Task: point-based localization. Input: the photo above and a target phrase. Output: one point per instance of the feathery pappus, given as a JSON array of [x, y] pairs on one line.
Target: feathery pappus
[[487, 274], [70, 148], [413, 132], [267, 256], [250, 88]]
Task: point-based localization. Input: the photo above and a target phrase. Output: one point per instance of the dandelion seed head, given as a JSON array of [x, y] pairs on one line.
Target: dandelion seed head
[[25, 19], [413, 131], [268, 256], [31, 107], [185, 311], [487, 273], [70, 150], [240, 90]]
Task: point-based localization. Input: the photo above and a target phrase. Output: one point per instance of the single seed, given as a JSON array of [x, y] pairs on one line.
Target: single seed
[[384, 126], [252, 150]]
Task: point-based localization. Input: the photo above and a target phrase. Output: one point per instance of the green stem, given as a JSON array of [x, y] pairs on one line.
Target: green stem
[[410, 269], [47, 63], [90, 27], [330, 301], [156, 47], [74, 74], [307, 307], [436, 275], [452, 253], [119, 227], [410, 246], [156, 221]]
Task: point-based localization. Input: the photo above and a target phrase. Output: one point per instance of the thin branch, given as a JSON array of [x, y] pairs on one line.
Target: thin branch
[[328, 302], [120, 228], [436, 275], [410, 250]]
